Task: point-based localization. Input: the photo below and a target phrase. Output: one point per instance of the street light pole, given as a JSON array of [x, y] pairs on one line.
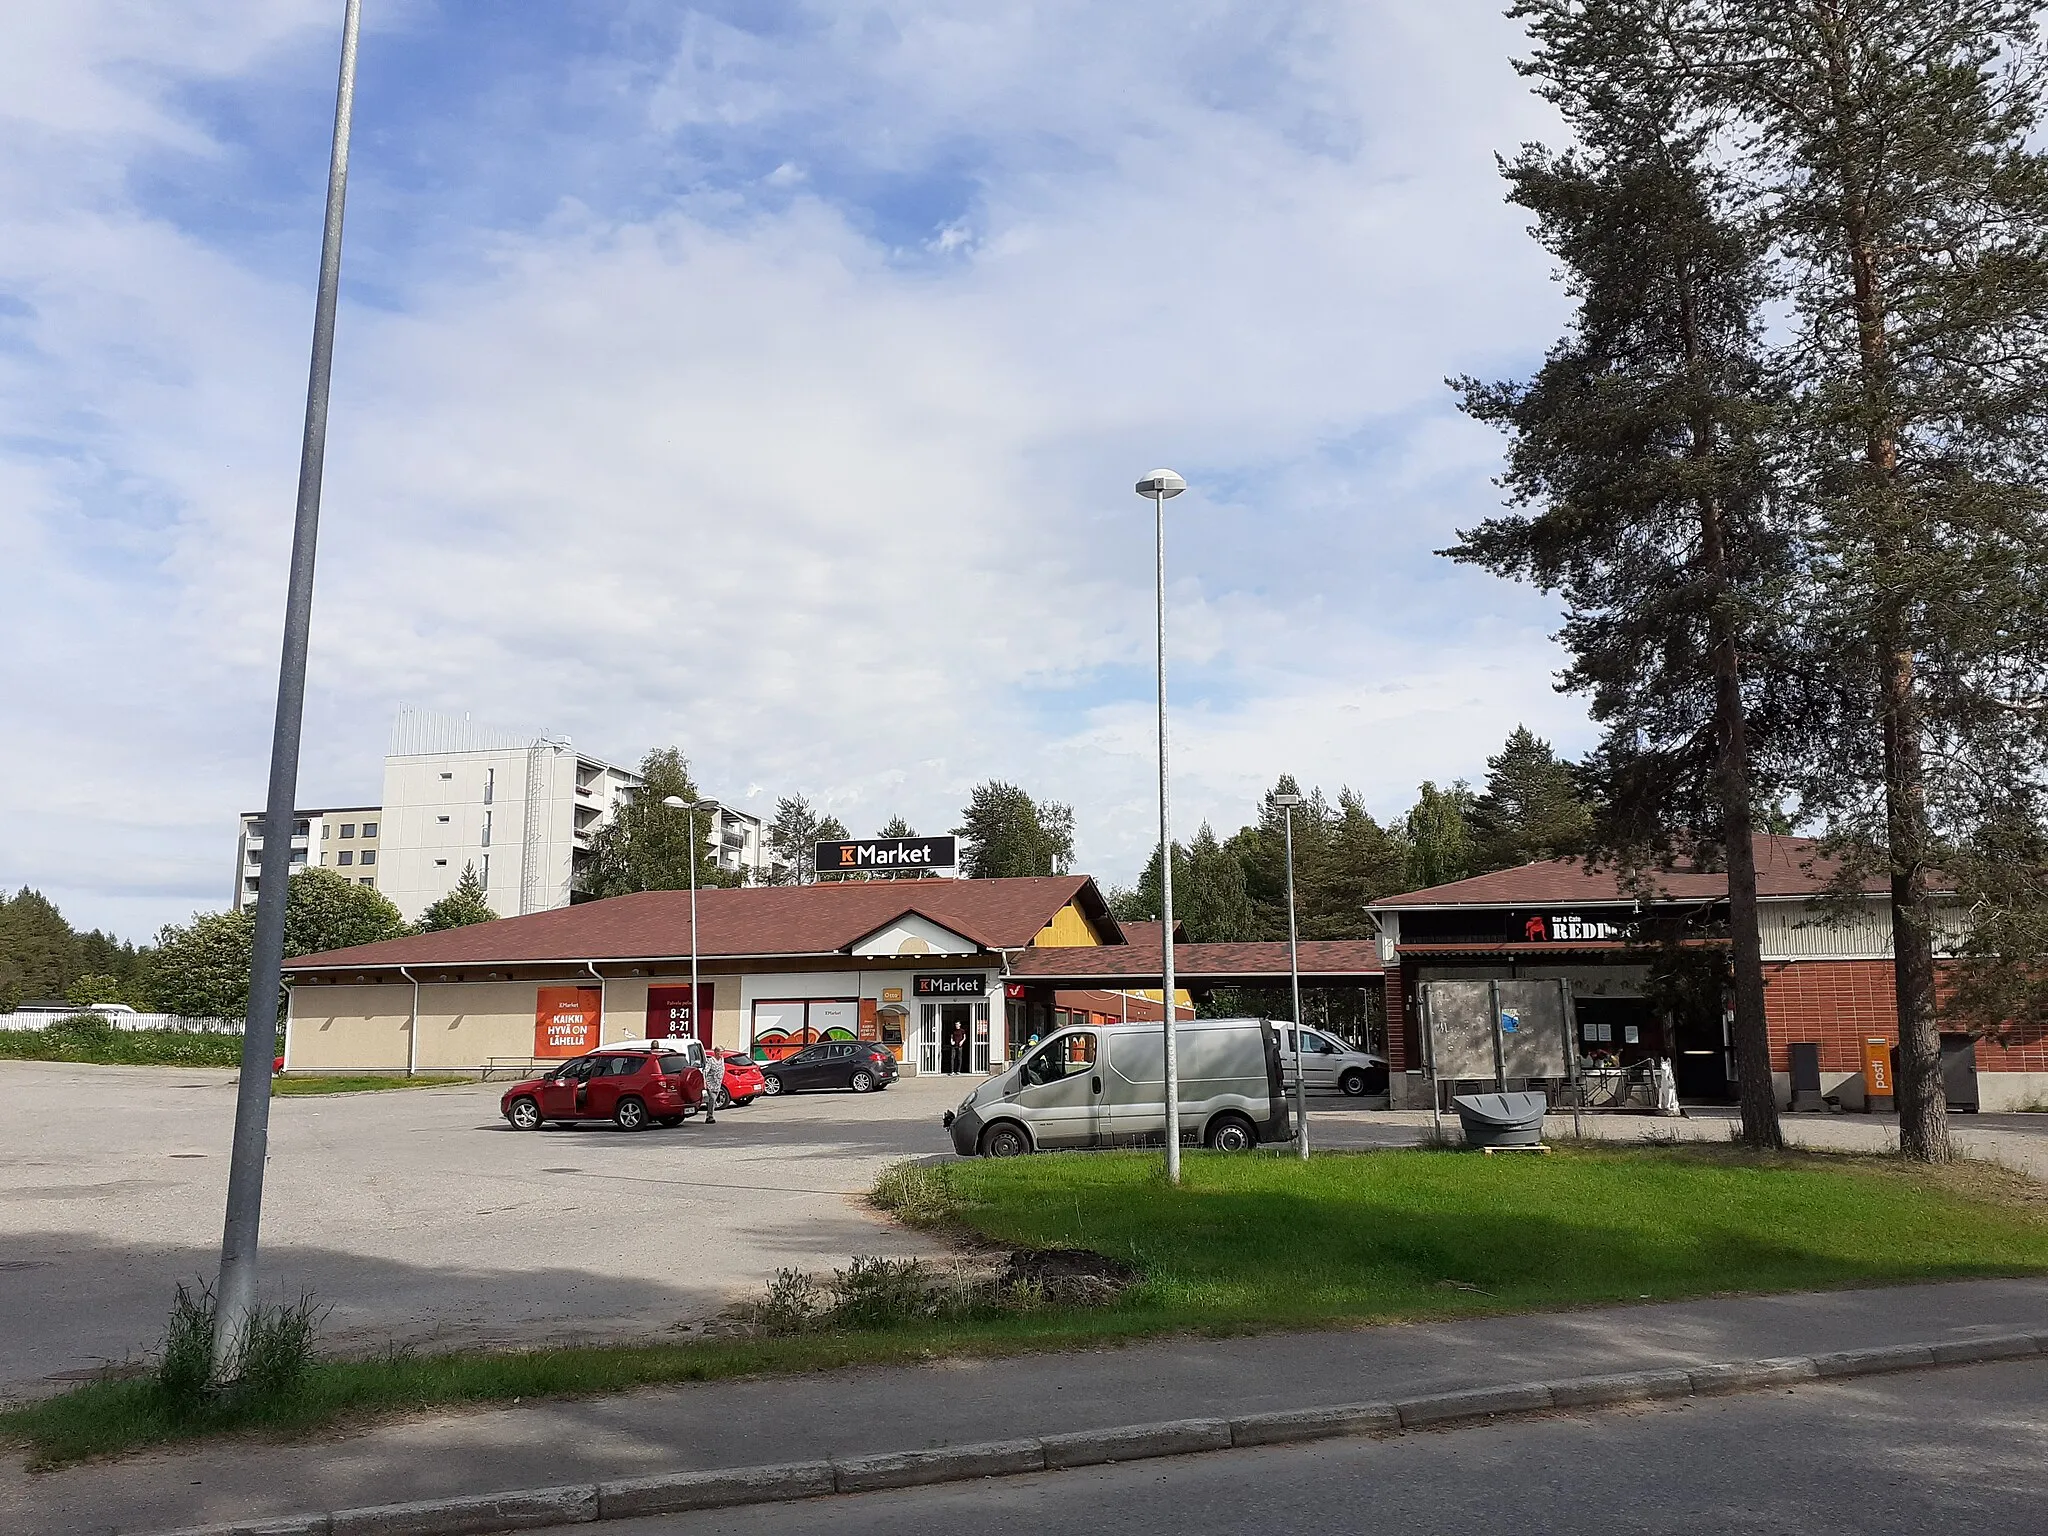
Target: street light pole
[[691, 808], [235, 1297], [1287, 803], [1159, 486]]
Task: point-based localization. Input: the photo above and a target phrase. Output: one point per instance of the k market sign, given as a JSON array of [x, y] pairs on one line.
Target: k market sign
[[887, 854], [955, 984]]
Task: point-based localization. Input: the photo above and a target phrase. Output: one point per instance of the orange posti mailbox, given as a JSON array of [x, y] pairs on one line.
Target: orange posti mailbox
[[1877, 1067]]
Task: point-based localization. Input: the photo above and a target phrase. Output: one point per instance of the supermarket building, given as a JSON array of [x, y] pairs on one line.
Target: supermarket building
[[905, 963]]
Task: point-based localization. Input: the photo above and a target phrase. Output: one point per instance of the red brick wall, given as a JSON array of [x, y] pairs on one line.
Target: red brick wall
[[1404, 1047], [1839, 1002]]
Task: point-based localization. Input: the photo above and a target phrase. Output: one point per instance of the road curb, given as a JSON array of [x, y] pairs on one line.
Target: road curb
[[730, 1487]]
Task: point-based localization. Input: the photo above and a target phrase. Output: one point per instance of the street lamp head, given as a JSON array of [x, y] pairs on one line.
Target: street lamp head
[[675, 802], [1161, 483], [1288, 801]]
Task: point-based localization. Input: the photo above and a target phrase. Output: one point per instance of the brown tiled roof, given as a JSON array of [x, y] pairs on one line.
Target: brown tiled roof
[[1785, 867], [763, 920], [1198, 963]]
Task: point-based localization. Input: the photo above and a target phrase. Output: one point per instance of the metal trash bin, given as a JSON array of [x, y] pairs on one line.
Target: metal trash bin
[[1501, 1119]]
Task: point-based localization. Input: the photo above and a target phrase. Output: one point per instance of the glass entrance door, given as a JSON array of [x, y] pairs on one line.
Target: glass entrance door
[[981, 1038], [928, 1037]]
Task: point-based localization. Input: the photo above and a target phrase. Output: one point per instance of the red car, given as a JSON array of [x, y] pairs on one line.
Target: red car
[[743, 1080], [631, 1088]]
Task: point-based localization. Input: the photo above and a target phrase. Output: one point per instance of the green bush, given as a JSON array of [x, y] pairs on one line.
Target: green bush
[[93, 1038], [275, 1355]]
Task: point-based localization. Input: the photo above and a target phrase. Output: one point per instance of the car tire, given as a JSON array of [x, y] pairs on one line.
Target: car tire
[[631, 1115], [1005, 1139], [1353, 1083], [724, 1100], [862, 1081], [1231, 1133], [524, 1115], [771, 1084]]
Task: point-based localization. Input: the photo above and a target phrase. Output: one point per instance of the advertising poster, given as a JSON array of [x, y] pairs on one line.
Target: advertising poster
[[567, 1021], [669, 1014]]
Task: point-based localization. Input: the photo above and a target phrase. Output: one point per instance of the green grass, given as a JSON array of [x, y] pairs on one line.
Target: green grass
[[1249, 1243], [295, 1086], [105, 1045], [1262, 1241]]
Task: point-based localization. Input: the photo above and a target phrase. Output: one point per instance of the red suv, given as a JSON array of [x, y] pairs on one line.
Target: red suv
[[633, 1089]]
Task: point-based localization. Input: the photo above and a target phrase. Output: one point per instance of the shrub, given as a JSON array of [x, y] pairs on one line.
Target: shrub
[[916, 1194], [86, 1033], [276, 1352]]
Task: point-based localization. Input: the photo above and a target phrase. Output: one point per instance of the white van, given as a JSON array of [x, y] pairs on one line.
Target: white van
[[1105, 1085]]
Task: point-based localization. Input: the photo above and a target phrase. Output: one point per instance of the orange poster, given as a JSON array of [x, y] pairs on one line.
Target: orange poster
[[566, 1021]]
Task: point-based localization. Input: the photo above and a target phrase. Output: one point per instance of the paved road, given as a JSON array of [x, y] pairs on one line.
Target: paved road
[[418, 1215], [1944, 1451], [695, 1426]]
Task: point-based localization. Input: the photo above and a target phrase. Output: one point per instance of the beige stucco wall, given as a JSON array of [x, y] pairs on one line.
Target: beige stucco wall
[[349, 1029], [464, 1024]]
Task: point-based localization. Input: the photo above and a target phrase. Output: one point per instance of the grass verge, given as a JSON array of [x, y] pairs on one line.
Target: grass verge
[[1247, 1244], [100, 1044], [297, 1086]]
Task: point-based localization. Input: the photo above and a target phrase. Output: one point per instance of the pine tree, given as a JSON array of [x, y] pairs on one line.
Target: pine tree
[[896, 826], [794, 835], [1530, 808], [1643, 447], [1008, 833], [1210, 899], [1895, 143], [462, 907]]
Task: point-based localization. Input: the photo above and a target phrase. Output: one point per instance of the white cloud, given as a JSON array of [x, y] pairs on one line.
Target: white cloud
[[898, 488]]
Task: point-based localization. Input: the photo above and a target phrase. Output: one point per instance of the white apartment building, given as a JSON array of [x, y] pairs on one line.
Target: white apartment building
[[345, 838], [456, 794]]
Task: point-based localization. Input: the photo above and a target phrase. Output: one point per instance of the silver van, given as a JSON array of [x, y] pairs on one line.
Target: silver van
[[1334, 1066], [1105, 1086]]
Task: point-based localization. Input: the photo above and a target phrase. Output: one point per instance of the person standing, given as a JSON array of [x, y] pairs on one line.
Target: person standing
[[956, 1047], [714, 1082]]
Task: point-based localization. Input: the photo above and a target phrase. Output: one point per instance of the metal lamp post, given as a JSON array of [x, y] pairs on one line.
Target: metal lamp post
[[235, 1299], [1160, 485], [691, 808], [1287, 803]]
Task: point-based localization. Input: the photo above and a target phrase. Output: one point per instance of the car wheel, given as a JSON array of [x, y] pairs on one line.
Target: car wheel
[[524, 1115], [631, 1115], [724, 1100], [1353, 1083], [1005, 1140], [770, 1084], [862, 1081], [1232, 1133]]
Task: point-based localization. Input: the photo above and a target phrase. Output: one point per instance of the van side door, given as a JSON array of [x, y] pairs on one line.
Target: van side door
[[1059, 1091]]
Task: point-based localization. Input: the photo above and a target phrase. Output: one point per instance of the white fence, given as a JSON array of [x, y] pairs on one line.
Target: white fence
[[43, 1019]]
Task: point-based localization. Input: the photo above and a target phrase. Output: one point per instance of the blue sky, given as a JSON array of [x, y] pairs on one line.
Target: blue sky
[[768, 379]]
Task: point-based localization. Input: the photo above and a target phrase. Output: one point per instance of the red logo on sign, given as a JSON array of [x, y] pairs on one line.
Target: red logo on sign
[[1533, 930]]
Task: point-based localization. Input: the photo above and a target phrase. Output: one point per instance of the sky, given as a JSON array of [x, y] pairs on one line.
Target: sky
[[768, 379]]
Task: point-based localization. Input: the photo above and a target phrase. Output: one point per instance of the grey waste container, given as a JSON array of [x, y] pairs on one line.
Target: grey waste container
[[1501, 1119]]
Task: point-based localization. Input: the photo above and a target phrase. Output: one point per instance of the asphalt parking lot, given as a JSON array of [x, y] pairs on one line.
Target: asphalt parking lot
[[418, 1216]]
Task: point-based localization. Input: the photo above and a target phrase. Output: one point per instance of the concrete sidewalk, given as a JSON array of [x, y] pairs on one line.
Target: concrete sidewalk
[[961, 1402]]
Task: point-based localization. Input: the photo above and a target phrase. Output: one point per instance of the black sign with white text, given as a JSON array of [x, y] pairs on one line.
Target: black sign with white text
[[888, 854], [956, 984]]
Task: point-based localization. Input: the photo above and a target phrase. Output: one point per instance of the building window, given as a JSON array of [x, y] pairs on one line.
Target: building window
[[345, 857], [487, 831], [251, 884], [369, 829], [447, 775], [301, 828], [485, 876], [366, 880], [369, 855], [323, 855], [443, 864], [256, 856], [443, 820], [326, 830], [490, 783], [299, 856], [348, 829]]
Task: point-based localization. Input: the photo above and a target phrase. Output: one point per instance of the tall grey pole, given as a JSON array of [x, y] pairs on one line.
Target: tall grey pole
[[1294, 975], [696, 1026], [236, 1296], [1166, 859]]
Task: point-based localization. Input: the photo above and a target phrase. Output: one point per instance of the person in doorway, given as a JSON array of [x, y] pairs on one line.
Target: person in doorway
[[956, 1046], [714, 1083]]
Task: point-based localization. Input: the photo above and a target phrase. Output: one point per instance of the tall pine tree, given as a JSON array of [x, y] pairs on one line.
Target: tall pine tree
[[1895, 142], [1641, 449], [1530, 808]]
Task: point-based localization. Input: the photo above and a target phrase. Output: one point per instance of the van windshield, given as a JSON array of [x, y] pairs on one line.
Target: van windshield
[[1067, 1056]]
